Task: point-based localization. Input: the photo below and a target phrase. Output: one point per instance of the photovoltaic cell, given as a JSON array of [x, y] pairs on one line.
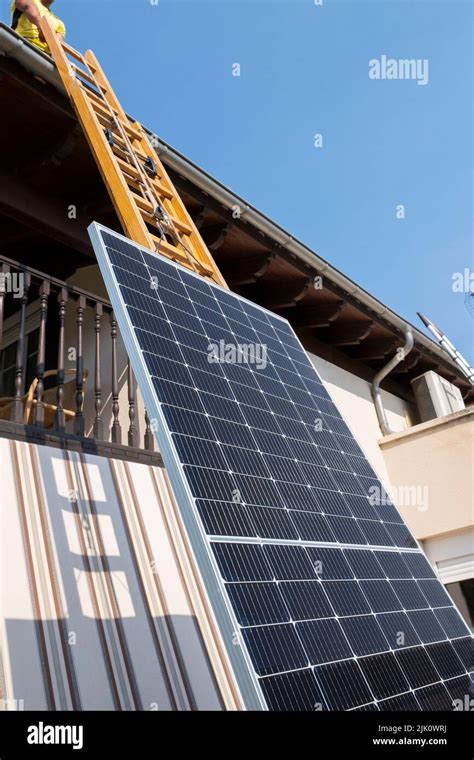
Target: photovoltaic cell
[[343, 685], [451, 622], [427, 626], [364, 635], [371, 707], [322, 596], [398, 630], [417, 666], [275, 648], [323, 640], [461, 689], [258, 603], [306, 600], [464, 650], [384, 675], [293, 691], [435, 697], [445, 660], [402, 703]]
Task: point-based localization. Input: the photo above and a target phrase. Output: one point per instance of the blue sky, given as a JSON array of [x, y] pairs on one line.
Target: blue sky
[[304, 70]]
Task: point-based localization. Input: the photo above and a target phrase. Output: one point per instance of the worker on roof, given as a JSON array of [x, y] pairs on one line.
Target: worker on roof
[[25, 18]]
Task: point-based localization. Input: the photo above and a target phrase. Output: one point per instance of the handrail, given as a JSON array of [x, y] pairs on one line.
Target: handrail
[[91, 297]]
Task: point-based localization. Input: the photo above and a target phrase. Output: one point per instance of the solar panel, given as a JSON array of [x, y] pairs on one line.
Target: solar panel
[[323, 598]]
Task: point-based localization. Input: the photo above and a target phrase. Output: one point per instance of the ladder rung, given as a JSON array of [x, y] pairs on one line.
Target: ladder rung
[[177, 255], [144, 206], [162, 190], [121, 145], [84, 74], [147, 207], [73, 53], [132, 177], [100, 107], [104, 118], [162, 246], [181, 226], [170, 250], [128, 169], [133, 133], [96, 98], [120, 150], [132, 172]]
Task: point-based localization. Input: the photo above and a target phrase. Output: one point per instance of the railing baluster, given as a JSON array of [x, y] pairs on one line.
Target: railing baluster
[[38, 411], [59, 419], [4, 270], [132, 389], [79, 416], [116, 429], [17, 410], [149, 437], [98, 423]]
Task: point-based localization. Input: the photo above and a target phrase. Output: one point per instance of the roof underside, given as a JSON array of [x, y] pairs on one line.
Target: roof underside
[[48, 167]]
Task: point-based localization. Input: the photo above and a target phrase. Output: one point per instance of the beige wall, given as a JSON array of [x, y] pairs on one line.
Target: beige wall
[[437, 456]]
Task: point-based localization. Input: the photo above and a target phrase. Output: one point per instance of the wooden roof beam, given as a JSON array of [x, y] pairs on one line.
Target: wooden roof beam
[[408, 364], [376, 350], [286, 296], [348, 334], [246, 271], [199, 218], [215, 235], [322, 315]]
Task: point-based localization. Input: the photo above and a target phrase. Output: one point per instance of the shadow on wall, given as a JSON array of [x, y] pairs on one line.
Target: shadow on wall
[[48, 677], [106, 634]]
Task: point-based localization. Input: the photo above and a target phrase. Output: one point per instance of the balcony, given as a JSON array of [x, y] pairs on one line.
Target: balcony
[[430, 469], [65, 378]]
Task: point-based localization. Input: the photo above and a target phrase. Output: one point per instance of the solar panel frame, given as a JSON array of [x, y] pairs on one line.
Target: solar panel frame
[[338, 464]]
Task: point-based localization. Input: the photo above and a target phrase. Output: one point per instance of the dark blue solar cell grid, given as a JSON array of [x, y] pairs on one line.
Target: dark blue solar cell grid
[[317, 563]]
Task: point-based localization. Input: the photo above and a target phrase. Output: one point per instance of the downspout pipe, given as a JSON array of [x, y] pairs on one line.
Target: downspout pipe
[[400, 356]]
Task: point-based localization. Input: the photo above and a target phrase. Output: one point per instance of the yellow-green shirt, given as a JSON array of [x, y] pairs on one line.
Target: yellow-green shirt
[[30, 31]]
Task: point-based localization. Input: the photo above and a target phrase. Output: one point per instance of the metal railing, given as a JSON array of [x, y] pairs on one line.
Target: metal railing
[[24, 285]]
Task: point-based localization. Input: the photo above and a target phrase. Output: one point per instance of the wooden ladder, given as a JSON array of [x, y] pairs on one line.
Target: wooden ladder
[[147, 203]]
